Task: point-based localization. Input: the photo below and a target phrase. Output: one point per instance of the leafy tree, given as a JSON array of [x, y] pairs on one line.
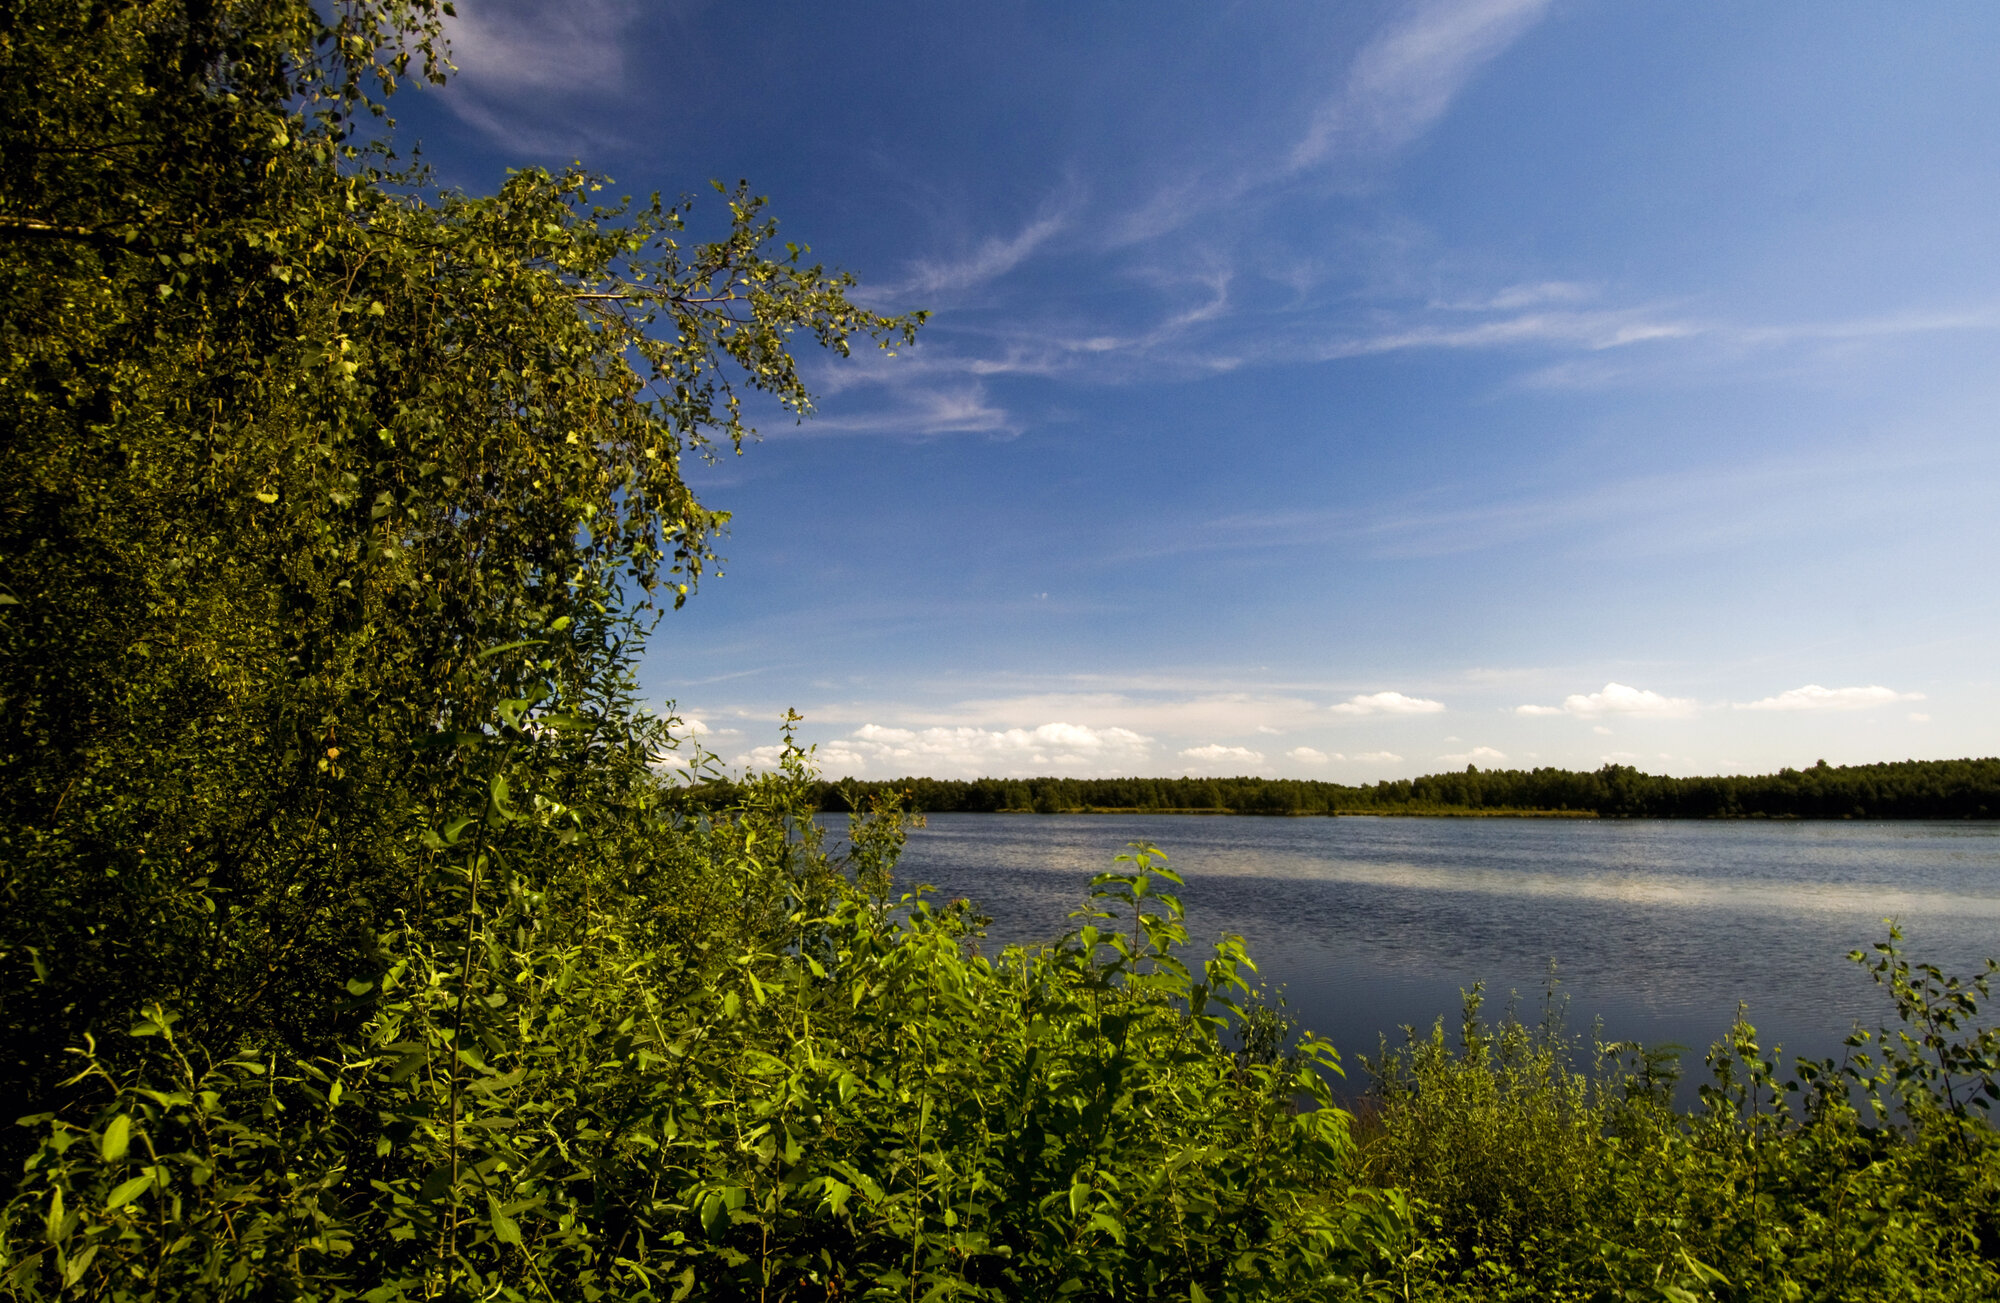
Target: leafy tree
[[305, 469], [349, 942]]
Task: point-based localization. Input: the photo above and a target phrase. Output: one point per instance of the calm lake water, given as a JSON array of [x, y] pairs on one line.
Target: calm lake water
[[1657, 927]]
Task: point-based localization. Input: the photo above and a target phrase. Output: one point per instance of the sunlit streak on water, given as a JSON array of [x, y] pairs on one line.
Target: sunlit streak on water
[[1875, 901], [1659, 928]]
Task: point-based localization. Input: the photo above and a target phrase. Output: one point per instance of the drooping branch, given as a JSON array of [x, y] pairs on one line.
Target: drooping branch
[[29, 228]]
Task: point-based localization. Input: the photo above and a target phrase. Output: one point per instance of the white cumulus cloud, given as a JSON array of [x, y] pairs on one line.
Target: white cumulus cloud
[[1617, 699], [1380, 757], [764, 757], [1387, 703], [1474, 756], [1216, 753], [1814, 697], [1307, 755]]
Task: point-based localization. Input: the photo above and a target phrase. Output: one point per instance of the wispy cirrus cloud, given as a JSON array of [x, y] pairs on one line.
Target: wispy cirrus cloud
[[993, 257], [1769, 498], [1568, 347], [1513, 297], [1398, 84], [508, 53], [1813, 697], [1405, 79], [920, 411], [1590, 331], [1617, 699], [513, 47], [1212, 307]]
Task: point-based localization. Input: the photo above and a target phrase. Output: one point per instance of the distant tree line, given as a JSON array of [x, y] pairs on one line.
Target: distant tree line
[[1908, 789]]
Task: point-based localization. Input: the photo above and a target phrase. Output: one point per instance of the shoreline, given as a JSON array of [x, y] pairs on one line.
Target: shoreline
[[1304, 814], [1758, 817]]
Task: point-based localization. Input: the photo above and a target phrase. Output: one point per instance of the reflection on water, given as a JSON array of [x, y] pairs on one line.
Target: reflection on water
[[1659, 928]]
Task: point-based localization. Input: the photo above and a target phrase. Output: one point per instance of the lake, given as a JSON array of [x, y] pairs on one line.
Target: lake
[[1657, 927]]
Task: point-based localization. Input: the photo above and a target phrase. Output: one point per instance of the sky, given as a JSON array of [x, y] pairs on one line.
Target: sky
[[1336, 391]]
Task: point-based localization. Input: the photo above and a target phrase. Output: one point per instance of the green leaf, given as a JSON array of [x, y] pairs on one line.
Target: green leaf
[[116, 1139], [835, 1196], [73, 1271], [127, 1191], [505, 1229]]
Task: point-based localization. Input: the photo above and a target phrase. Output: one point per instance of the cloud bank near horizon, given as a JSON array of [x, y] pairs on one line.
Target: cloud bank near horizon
[[1813, 697]]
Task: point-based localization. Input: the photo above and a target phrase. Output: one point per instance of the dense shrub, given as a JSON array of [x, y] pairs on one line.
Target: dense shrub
[[559, 1091], [1535, 1177]]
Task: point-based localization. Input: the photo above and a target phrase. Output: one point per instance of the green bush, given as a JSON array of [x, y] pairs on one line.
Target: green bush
[[1872, 1177], [1501, 1137], [829, 1094]]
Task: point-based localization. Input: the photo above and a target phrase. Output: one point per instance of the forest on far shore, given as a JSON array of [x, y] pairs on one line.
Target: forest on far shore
[[1904, 789]]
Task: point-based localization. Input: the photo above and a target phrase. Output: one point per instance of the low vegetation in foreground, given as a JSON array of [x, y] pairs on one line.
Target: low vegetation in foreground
[[1538, 1167], [700, 1058], [361, 938]]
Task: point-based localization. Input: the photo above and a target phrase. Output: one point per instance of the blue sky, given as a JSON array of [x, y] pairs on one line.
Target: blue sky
[[1342, 391]]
